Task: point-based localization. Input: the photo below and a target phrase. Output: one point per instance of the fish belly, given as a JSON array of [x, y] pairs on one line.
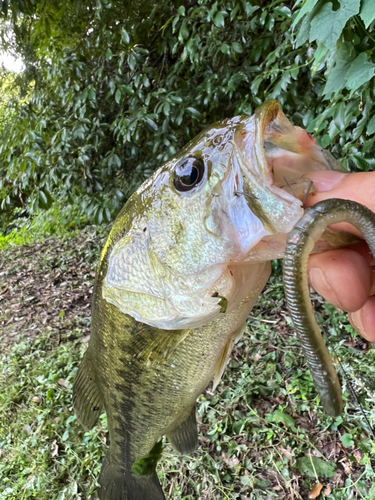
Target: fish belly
[[149, 379]]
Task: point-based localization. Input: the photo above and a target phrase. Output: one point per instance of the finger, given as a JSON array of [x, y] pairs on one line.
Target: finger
[[364, 320], [342, 277], [359, 187]]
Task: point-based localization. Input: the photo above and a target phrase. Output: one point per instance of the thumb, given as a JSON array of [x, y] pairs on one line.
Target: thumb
[[359, 187]]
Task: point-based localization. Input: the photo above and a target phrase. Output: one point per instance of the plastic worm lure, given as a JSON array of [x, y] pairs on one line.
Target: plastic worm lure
[[300, 242]]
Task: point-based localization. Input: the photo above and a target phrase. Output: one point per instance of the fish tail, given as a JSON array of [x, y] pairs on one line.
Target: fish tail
[[118, 483]]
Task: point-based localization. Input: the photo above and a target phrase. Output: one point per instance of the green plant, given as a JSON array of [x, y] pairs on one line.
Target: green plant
[[110, 93]]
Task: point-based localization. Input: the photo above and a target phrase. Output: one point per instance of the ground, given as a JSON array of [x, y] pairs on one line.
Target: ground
[[262, 432]]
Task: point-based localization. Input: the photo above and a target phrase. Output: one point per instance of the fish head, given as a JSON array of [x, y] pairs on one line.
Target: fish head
[[181, 251]]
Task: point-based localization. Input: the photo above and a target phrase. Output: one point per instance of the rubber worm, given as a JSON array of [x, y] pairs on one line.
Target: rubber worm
[[300, 242]]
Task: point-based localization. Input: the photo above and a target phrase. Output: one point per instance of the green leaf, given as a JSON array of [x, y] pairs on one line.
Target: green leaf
[[360, 72], [151, 124], [337, 76], [309, 465], [120, 195], [118, 96], [184, 32], [219, 20], [107, 214], [146, 465], [320, 53], [371, 126], [234, 12], [327, 24], [181, 10], [116, 160], [304, 30], [256, 83], [175, 98], [339, 116], [124, 36], [237, 47], [367, 13], [306, 9], [65, 436], [195, 113], [166, 108], [347, 440], [128, 89], [98, 216], [280, 417], [225, 48], [132, 61], [246, 480], [45, 199]]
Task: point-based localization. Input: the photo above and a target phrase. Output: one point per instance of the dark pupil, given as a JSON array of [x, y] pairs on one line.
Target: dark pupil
[[188, 174]]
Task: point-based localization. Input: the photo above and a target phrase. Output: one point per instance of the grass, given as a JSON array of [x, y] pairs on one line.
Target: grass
[[262, 432]]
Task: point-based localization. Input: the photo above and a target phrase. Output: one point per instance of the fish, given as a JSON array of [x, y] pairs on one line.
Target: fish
[[183, 265]]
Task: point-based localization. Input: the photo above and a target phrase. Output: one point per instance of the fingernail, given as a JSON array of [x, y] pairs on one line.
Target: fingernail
[[356, 321], [325, 180]]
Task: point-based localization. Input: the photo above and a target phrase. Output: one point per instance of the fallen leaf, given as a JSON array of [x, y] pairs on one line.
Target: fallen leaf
[[63, 383], [327, 490], [287, 453], [315, 492], [55, 449]]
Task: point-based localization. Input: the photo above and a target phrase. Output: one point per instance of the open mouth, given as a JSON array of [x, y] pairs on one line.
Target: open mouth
[[288, 151], [274, 157]]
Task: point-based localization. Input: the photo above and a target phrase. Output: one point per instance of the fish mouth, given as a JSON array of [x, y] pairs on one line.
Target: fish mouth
[[274, 156], [289, 151]]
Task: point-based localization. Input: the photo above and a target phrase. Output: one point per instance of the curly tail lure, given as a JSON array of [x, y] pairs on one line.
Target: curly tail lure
[[300, 242]]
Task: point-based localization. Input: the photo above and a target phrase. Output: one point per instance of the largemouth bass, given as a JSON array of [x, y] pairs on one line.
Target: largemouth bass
[[185, 261]]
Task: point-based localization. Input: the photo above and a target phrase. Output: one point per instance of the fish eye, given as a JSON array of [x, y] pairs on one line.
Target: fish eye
[[188, 173]]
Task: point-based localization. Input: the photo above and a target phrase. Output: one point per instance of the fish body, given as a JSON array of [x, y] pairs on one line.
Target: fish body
[[185, 261]]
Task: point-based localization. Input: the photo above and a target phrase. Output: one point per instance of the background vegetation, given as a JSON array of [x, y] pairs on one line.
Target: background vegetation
[[110, 90]]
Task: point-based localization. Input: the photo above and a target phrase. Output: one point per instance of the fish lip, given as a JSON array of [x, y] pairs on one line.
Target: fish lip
[[250, 141], [264, 116]]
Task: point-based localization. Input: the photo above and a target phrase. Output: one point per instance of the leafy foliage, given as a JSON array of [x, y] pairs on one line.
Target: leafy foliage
[[111, 91], [345, 57]]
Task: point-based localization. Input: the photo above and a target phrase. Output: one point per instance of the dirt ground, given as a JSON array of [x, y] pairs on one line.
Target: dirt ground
[[43, 283]]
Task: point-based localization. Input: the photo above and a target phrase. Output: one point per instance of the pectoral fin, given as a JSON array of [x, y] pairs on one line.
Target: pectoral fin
[[184, 437], [87, 400]]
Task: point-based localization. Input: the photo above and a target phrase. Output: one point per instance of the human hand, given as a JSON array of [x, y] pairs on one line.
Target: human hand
[[346, 277]]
